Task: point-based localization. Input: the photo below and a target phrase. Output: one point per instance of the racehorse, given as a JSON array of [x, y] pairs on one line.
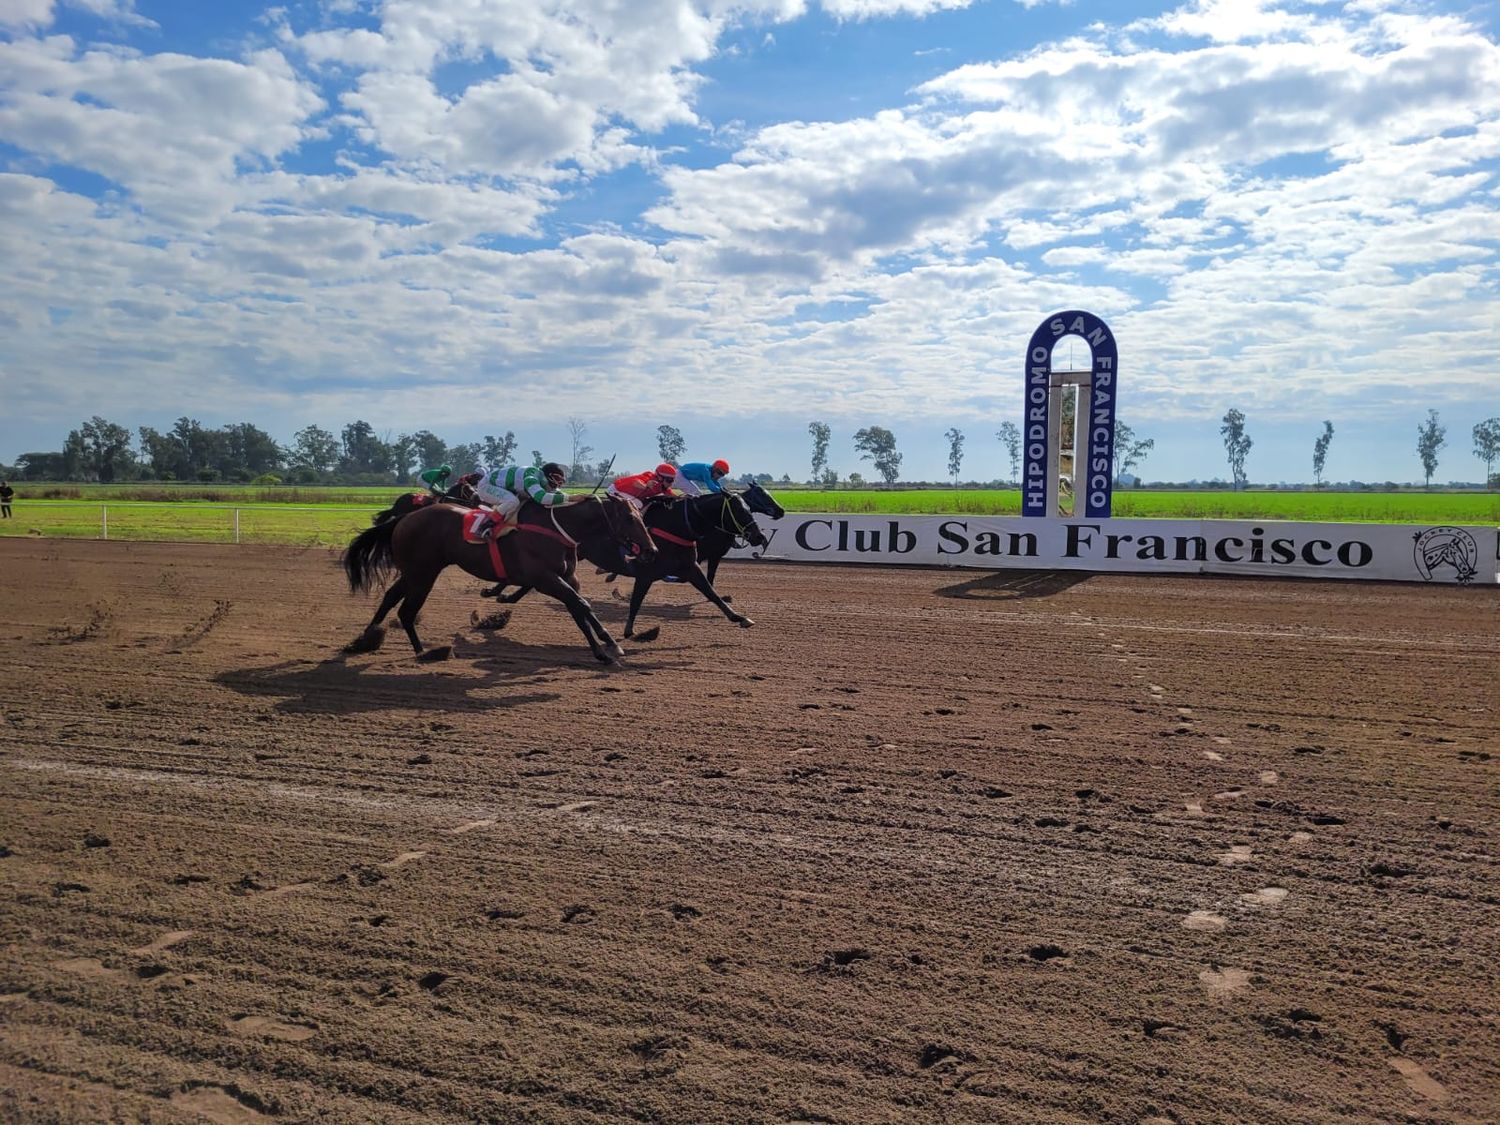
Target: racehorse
[[677, 527], [461, 493], [539, 553], [715, 545]]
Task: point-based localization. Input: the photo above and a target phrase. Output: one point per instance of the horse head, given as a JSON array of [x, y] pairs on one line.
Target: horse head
[[759, 500], [736, 520], [626, 526]]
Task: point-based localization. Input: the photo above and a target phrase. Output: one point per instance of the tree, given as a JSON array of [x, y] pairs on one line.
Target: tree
[[878, 444], [315, 448], [102, 449], [499, 453], [670, 443], [1129, 451], [251, 452], [41, 466], [955, 452], [1487, 446], [403, 454], [163, 457], [577, 430], [1010, 437], [820, 434], [1431, 436], [363, 451], [1237, 445], [1320, 451], [428, 449], [464, 458]]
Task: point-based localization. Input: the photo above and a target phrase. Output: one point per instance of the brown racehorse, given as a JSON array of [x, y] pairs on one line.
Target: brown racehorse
[[539, 553]]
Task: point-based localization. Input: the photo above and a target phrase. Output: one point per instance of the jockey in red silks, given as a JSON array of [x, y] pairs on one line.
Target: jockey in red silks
[[650, 485]]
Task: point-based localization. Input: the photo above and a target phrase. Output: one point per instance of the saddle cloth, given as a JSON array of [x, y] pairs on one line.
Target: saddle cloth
[[474, 517]]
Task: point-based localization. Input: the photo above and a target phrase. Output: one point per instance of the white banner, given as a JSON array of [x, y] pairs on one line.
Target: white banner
[[1467, 555]]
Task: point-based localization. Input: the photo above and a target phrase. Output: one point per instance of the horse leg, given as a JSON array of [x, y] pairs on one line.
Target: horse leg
[[374, 635], [418, 589], [637, 596], [556, 586], [704, 587]]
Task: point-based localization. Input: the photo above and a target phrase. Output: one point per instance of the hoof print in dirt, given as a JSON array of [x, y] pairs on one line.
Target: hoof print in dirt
[[939, 1056], [94, 840], [683, 913], [434, 655], [1161, 1029], [420, 760], [433, 981], [841, 960], [577, 915], [658, 1046], [647, 634], [60, 889], [1047, 953], [1299, 1023]]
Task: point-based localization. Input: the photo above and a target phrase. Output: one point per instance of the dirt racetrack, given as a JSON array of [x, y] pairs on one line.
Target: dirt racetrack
[[924, 845]]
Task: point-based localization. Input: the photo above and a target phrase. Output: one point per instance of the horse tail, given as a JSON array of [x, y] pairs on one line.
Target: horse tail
[[369, 557]]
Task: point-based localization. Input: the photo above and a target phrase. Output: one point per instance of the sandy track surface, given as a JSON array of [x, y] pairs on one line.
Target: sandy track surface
[[922, 845]]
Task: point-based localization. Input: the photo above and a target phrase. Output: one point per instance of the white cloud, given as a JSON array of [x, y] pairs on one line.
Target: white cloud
[[26, 13]]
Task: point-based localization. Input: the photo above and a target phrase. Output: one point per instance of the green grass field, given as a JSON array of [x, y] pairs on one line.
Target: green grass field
[[298, 519]]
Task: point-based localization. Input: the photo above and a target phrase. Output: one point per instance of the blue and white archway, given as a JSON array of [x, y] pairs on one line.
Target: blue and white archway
[[1094, 441]]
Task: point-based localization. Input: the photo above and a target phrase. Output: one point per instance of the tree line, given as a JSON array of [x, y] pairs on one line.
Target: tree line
[[1432, 435], [101, 450], [105, 451]]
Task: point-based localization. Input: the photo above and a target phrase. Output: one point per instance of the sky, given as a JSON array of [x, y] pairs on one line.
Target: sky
[[740, 216]]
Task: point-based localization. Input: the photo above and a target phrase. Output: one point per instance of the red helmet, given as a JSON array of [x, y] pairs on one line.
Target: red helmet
[[721, 467], [667, 471]]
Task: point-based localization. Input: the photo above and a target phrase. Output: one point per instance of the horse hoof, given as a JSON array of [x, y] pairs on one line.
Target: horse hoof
[[745, 623], [433, 655], [613, 655]]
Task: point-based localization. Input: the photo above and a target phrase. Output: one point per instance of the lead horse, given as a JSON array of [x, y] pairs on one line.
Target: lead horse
[[678, 528], [540, 554], [716, 544]]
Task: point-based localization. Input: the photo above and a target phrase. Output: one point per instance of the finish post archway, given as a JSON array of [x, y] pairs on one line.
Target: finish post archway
[[1094, 420]]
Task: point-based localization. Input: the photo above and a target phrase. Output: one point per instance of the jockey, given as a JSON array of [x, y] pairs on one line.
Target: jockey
[[504, 489], [697, 477], [653, 484], [436, 479]]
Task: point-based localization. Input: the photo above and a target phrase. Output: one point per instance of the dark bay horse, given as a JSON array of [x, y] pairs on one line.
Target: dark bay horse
[[539, 554], [716, 544], [461, 493], [679, 527]]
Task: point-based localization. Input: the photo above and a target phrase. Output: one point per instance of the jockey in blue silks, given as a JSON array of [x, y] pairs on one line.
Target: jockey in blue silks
[[697, 477]]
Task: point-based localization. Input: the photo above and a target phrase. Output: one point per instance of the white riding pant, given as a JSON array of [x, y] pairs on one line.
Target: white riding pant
[[504, 502]]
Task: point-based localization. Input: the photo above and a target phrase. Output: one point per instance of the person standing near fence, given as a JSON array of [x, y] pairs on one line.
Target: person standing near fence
[[7, 494]]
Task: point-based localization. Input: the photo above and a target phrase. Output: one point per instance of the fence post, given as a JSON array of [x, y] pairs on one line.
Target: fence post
[[104, 519], [236, 525]]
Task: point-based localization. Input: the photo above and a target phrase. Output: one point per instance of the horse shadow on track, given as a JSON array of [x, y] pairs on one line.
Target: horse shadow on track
[[340, 685], [1009, 585]]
